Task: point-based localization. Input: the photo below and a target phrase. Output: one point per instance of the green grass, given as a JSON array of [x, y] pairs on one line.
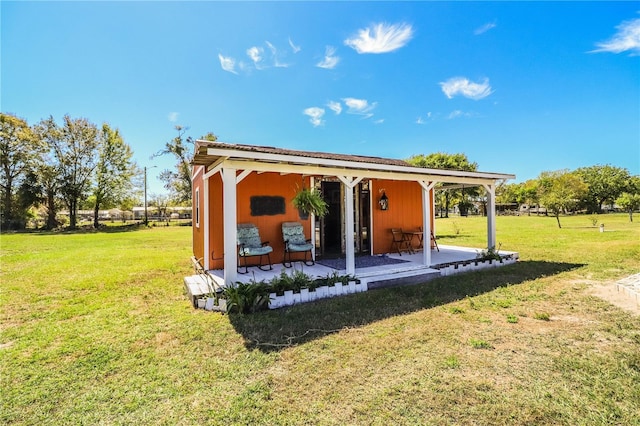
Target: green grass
[[95, 330]]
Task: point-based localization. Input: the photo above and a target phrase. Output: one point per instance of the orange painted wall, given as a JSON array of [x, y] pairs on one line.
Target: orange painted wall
[[271, 184], [198, 232], [216, 223], [405, 211], [264, 184]]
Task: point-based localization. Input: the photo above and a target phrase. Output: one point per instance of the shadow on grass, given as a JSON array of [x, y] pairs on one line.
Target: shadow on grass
[[275, 330], [449, 237]]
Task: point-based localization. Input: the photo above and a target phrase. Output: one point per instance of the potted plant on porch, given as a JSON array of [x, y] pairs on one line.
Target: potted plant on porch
[[309, 200]]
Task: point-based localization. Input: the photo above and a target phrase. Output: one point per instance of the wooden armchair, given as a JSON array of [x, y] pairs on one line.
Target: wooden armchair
[[400, 241], [295, 242], [250, 245]]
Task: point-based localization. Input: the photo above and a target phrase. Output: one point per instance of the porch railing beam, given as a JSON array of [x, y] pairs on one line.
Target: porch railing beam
[[207, 243], [229, 197], [242, 175], [316, 170], [349, 183], [491, 215], [215, 167], [426, 221]]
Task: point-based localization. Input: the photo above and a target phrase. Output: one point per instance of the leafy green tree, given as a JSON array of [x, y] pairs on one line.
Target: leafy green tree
[[29, 195], [114, 171], [520, 193], [19, 149], [75, 148], [633, 186], [159, 203], [178, 181], [441, 160], [530, 195], [561, 191], [49, 180], [507, 192], [629, 202], [605, 182]]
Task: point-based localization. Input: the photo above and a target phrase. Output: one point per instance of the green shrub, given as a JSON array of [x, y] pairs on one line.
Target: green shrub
[[542, 316], [480, 344], [248, 297], [452, 361], [489, 254]]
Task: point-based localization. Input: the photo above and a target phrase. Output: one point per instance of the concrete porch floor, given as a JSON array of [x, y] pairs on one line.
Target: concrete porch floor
[[410, 272]]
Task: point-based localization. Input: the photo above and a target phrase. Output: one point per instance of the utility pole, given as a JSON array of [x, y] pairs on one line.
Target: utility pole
[[146, 216]]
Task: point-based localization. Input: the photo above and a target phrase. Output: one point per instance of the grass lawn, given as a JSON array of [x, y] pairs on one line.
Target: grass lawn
[[95, 330]]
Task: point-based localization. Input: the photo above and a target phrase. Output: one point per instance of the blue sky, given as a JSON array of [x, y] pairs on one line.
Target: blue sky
[[518, 87]]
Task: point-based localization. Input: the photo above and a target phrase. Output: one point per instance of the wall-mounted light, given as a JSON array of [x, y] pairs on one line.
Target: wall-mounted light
[[384, 201]]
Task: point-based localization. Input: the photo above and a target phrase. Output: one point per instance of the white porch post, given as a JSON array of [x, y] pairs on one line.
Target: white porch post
[[312, 184], [491, 215], [230, 224], [205, 212], [426, 222], [349, 184]]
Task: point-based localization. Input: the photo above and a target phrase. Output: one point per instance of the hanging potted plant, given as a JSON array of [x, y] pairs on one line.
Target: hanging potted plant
[[309, 200]]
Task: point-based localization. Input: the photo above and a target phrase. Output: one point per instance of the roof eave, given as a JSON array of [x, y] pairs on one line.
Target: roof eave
[[214, 153]]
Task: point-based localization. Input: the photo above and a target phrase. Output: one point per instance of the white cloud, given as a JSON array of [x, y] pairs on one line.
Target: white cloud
[[626, 39], [255, 53], [424, 120], [173, 116], [315, 115], [483, 29], [275, 55], [227, 63], [359, 106], [463, 87], [461, 114], [381, 38], [380, 121], [261, 60], [335, 107], [330, 60], [295, 48]]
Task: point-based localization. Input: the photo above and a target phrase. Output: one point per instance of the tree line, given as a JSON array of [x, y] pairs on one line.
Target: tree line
[[79, 165], [586, 189], [76, 163], [53, 165]]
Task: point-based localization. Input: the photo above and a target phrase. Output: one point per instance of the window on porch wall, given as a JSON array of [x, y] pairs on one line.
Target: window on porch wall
[[197, 207]]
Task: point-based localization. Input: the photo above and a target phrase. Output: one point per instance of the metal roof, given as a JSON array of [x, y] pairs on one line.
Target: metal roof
[[207, 153]]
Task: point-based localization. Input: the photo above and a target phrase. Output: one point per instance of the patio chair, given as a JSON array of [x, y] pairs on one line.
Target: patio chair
[[400, 241], [250, 245], [295, 242], [433, 238]]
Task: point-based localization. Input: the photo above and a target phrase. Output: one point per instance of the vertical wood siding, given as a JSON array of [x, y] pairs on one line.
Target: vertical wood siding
[[405, 211]]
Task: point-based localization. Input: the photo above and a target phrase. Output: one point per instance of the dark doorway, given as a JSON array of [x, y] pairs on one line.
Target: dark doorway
[[363, 217], [332, 222]]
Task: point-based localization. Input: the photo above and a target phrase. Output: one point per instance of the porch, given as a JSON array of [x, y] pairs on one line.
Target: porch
[[381, 271]]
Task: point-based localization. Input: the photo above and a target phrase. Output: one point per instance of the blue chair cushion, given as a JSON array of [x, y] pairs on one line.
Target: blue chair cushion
[[300, 247], [293, 234], [248, 235], [255, 251]]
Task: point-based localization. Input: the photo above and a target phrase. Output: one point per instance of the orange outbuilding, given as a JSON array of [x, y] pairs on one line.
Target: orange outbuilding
[[366, 197]]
